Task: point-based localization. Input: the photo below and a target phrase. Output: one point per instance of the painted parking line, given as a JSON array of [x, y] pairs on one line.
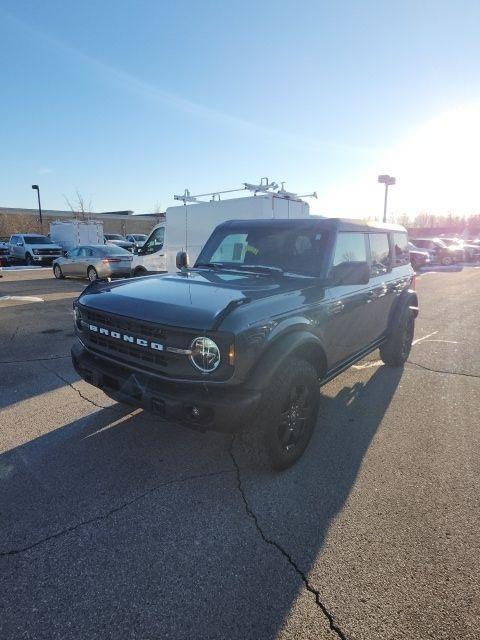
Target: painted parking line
[[25, 268], [429, 335], [22, 298], [378, 363]]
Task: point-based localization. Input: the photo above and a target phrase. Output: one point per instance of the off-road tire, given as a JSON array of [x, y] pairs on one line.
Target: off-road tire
[[268, 435], [395, 351], [57, 272], [92, 274]]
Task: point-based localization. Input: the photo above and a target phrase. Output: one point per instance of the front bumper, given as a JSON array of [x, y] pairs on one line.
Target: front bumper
[[45, 258], [197, 406]]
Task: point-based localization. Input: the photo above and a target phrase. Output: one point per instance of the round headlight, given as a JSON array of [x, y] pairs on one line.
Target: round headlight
[[205, 354]]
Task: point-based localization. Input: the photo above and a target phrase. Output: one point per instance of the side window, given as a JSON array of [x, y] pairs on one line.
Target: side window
[[231, 249], [400, 249], [350, 247], [14, 239], [83, 252], [154, 242], [73, 253], [379, 253]]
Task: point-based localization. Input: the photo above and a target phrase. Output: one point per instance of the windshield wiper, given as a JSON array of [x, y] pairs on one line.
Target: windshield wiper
[[209, 265], [262, 268]]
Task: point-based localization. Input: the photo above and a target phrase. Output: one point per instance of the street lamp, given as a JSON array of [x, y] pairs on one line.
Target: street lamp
[[37, 189], [387, 181]]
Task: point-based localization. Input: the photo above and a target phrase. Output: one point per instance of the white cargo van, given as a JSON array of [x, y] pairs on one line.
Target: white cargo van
[[187, 227], [72, 233]]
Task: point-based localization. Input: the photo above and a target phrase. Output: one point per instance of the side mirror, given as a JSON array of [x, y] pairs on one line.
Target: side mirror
[[19, 244], [182, 260], [350, 273]]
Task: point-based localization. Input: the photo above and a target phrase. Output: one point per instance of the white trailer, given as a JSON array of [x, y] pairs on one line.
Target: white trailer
[[187, 227], [72, 233]]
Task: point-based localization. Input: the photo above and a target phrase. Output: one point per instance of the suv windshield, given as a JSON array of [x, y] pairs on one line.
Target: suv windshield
[[37, 240], [114, 236], [295, 249]]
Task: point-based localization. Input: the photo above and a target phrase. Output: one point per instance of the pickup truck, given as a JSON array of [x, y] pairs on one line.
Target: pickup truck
[[33, 248]]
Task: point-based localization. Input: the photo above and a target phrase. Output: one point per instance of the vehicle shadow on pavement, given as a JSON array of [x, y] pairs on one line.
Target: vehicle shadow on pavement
[[118, 519]]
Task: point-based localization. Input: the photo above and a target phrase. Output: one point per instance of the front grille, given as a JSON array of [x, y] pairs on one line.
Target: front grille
[[47, 252], [147, 358], [129, 325], [124, 352]]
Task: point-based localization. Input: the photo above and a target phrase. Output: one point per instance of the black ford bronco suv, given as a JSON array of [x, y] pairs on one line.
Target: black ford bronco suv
[[271, 310]]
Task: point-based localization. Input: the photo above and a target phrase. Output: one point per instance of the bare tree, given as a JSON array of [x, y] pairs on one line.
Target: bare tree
[[157, 208], [79, 205], [403, 219]]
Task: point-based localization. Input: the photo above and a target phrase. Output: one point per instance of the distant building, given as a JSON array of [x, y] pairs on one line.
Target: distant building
[[16, 220]]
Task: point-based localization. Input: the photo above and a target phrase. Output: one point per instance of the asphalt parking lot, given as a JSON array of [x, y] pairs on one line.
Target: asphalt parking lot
[[116, 525]]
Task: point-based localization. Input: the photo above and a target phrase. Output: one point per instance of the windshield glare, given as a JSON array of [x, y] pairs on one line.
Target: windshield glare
[[293, 250], [37, 240], [112, 250]]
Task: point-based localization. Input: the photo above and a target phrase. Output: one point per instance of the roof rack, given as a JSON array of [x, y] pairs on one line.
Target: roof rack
[[265, 186]]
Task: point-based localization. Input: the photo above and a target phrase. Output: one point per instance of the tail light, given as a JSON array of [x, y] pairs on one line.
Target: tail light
[[110, 260]]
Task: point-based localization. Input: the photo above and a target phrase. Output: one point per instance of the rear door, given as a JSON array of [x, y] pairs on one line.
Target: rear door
[[347, 330], [382, 284]]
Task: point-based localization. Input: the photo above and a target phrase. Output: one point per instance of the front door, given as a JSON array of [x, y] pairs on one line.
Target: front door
[[152, 255]]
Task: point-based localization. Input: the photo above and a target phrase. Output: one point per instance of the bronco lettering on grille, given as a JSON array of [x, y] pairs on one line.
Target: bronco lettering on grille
[[141, 342]]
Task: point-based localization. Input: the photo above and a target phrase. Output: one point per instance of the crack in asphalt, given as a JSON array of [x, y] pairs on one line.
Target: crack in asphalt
[[14, 334], [104, 516], [251, 514], [451, 373], [72, 386]]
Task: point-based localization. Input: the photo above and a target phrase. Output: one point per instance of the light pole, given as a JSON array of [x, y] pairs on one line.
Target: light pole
[[387, 181], [36, 188]]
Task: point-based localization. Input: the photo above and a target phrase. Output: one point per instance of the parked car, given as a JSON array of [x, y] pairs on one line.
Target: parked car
[[418, 257], [470, 249], [271, 310], [138, 239], [33, 248], [94, 262], [119, 241], [441, 252], [4, 250]]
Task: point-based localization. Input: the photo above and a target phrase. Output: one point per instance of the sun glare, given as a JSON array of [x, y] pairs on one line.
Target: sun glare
[[436, 169]]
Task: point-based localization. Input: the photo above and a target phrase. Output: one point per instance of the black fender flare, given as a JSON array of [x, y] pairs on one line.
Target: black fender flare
[[301, 343], [408, 298]]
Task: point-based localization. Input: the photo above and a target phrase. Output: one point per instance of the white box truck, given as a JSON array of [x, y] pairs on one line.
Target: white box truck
[[187, 227], [72, 233]]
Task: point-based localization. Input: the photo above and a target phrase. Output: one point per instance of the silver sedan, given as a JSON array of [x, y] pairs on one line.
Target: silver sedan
[[94, 262]]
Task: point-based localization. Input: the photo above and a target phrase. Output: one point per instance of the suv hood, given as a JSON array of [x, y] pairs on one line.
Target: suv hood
[[192, 300]]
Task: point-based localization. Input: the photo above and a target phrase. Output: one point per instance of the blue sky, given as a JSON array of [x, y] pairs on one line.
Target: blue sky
[[132, 101]]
